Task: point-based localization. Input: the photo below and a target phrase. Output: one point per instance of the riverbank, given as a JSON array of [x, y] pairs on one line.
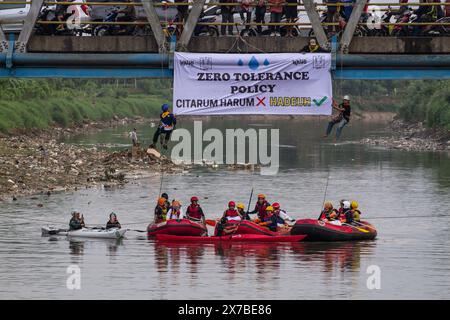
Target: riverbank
[[37, 163], [412, 137]]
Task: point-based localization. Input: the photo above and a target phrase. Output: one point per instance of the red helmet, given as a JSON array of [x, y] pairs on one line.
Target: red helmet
[[194, 198], [231, 204], [276, 205]]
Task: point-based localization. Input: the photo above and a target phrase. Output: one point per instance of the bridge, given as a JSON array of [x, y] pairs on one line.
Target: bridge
[[28, 55]]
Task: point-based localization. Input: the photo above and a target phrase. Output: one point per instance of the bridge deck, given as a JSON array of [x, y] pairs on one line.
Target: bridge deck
[[125, 44]]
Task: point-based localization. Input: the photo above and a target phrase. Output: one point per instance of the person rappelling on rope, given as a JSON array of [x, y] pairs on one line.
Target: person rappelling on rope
[[342, 118], [166, 126]]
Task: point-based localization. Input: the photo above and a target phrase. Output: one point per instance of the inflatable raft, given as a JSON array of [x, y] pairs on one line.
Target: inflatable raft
[[112, 233], [182, 227], [317, 230], [232, 238], [248, 227]]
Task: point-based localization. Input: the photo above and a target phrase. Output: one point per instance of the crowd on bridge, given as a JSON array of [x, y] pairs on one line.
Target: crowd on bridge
[[256, 17]]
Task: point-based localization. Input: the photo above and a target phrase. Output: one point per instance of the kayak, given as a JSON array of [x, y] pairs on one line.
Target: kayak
[[112, 233], [248, 227], [182, 227], [232, 238], [317, 230]]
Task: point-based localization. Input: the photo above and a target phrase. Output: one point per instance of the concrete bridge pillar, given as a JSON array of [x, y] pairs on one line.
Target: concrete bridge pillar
[[315, 24], [190, 24], [155, 24], [28, 26], [351, 25]]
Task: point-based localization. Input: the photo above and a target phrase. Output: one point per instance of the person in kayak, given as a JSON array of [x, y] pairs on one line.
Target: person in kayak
[[160, 210], [269, 220], [76, 222], [231, 213], [113, 222], [355, 211], [260, 207], [328, 213], [342, 118], [166, 126], [244, 215], [175, 211], [194, 212]]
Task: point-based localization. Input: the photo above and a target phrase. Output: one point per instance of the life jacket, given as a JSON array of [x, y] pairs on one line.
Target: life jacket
[[160, 213], [194, 212], [261, 209], [346, 217], [175, 214], [231, 213], [327, 214], [167, 121], [356, 215]]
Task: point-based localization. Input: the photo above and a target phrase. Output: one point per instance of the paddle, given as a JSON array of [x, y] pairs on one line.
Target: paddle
[[211, 222], [365, 225], [136, 230], [362, 230], [249, 202]]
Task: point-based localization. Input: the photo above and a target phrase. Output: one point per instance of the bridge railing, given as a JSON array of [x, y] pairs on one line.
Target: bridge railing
[[316, 26]]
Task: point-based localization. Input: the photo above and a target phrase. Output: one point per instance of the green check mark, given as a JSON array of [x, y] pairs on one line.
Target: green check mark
[[318, 103]]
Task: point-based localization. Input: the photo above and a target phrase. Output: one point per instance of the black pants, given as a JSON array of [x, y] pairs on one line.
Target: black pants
[[275, 17], [159, 132], [227, 16], [260, 12], [247, 17]]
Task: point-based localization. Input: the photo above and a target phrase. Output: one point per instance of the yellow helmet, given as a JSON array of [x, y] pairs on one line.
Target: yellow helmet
[[269, 208], [354, 204], [240, 206]]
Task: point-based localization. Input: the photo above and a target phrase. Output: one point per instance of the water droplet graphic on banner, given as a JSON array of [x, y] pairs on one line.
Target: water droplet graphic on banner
[[266, 62], [253, 64], [240, 62]]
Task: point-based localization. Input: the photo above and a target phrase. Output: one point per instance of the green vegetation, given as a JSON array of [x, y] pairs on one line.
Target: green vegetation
[[427, 101], [64, 102], [39, 104]]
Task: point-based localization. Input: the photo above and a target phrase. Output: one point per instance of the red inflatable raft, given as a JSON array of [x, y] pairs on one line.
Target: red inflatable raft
[[317, 230], [182, 227], [249, 227], [232, 238]]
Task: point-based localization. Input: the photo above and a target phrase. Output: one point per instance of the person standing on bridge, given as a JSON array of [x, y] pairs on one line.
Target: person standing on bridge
[[342, 118], [166, 126]]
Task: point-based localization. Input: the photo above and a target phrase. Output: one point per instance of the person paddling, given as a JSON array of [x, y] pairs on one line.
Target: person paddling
[[269, 220], [260, 207], [76, 222], [347, 215], [113, 222], [194, 212], [342, 118], [166, 126], [355, 211], [231, 213]]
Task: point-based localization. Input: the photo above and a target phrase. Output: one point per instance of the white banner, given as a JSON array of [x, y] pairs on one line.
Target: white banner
[[277, 83]]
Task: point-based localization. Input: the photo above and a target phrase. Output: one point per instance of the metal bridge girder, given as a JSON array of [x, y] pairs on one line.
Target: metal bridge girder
[[315, 24], [28, 25], [155, 24], [190, 24], [351, 25], [3, 41]]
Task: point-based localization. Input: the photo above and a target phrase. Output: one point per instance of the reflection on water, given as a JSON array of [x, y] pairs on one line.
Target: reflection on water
[[413, 254]]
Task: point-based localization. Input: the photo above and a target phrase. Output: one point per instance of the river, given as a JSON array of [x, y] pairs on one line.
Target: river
[[413, 255]]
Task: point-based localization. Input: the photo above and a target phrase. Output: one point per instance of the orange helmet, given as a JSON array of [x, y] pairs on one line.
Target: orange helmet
[[261, 196], [161, 201]]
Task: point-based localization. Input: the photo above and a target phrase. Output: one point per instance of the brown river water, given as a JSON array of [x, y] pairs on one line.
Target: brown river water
[[412, 254]]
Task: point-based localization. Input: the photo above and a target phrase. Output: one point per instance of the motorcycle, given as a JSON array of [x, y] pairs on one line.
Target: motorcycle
[[113, 29], [49, 14]]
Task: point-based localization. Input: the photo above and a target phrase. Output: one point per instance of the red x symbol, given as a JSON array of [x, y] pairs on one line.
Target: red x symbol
[[261, 101]]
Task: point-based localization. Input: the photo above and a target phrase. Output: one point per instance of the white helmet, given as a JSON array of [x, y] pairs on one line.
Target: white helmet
[[347, 97], [346, 204]]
